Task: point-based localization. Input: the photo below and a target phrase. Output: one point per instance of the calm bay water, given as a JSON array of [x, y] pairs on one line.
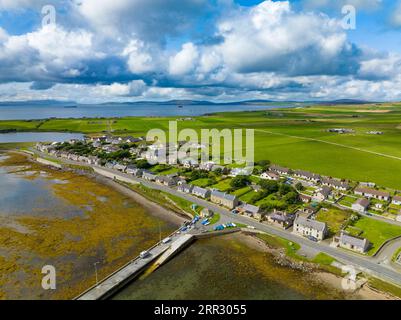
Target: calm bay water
[[15, 137], [69, 221], [20, 112], [228, 269]]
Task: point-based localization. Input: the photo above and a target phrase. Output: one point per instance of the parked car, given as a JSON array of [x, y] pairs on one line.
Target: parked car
[[311, 238], [144, 254]]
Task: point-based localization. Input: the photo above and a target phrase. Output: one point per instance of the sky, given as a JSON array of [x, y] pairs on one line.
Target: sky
[[93, 51]]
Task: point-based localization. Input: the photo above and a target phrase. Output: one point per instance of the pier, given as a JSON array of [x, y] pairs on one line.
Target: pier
[[159, 254]]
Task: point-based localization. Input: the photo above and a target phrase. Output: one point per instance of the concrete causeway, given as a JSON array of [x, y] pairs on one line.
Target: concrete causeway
[[111, 284]]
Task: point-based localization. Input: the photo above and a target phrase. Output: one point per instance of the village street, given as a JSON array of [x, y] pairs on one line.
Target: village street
[[373, 266]]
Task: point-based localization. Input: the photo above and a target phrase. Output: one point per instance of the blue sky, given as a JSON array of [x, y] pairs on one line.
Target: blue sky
[[217, 50]]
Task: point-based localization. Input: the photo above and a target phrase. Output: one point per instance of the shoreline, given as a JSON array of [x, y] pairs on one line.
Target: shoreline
[[156, 210], [365, 292], [206, 114], [153, 208]]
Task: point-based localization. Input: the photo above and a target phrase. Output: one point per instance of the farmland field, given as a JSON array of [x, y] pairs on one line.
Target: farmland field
[[297, 138]]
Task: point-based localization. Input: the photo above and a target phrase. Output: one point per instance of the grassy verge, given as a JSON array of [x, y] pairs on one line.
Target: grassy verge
[[384, 286], [323, 260], [216, 218], [183, 204], [396, 254], [18, 146], [175, 204], [78, 167], [291, 248]]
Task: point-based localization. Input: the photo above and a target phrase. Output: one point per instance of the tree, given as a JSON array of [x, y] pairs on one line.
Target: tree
[[142, 164], [218, 171], [284, 189], [269, 186], [265, 164], [258, 196], [239, 182], [291, 197], [299, 186], [199, 174]]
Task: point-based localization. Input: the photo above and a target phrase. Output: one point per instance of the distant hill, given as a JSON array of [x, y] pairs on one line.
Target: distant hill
[[347, 101], [38, 103], [182, 102], [197, 102]]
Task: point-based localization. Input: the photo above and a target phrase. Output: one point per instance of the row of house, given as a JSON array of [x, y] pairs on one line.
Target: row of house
[[303, 223], [217, 197], [307, 175], [336, 184], [50, 149], [116, 140], [275, 172], [362, 204], [372, 193]]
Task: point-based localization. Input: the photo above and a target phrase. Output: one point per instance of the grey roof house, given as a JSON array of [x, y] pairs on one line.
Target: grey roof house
[[310, 228], [201, 192], [186, 188], [224, 199], [349, 242]]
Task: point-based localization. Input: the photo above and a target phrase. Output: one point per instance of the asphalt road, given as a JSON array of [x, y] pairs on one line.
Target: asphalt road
[[366, 264]]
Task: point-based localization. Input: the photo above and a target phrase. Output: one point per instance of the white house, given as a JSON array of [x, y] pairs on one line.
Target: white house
[[307, 175], [361, 205], [322, 194], [308, 227], [396, 200], [279, 170], [269, 175], [349, 242], [240, 172], [372, 193], [336, 184]]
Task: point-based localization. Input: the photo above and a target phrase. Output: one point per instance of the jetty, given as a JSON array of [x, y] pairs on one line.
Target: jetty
[[157, 255]]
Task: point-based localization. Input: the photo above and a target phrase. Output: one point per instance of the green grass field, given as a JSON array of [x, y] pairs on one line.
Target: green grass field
[[348, 201], [222, 185], [335, 218], [296, 138], [203, 183]]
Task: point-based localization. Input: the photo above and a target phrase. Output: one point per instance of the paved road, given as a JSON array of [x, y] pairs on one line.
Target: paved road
[[366, 264]]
